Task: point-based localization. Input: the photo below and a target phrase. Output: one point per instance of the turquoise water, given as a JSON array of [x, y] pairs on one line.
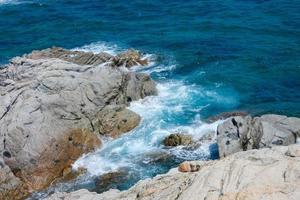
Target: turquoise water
[[208, 57]]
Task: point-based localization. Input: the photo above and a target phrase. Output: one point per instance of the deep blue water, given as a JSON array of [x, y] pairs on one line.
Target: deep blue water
[[210, 56], [250, 47]]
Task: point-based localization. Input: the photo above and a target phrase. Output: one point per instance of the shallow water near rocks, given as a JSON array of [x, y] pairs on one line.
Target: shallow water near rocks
[[207, 57]]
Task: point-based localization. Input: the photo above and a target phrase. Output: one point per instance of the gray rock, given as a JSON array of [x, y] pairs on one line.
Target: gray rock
[[245, 133], [126, 59], [115, 120], [44, 101], [10, 185]]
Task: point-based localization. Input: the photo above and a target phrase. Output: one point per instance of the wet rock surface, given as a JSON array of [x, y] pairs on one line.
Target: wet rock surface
[[129, 59], [245, 133], [49, 102], [178, 139]]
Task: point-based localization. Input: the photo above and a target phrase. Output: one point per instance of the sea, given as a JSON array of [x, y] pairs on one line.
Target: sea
[[207, 57]]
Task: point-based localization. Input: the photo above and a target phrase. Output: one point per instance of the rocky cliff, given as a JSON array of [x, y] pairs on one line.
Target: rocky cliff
[[55, 104]]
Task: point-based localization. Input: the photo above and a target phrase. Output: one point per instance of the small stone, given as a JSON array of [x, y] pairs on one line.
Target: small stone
[[67, 171], [185, 167]]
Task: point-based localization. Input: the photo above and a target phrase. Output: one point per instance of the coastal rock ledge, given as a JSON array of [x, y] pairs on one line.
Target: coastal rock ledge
[[53, 109], [259, 159], [264, 174]]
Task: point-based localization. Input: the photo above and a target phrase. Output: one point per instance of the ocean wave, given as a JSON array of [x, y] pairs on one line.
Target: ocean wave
[[6, 1], [13, 2], [100, 46]]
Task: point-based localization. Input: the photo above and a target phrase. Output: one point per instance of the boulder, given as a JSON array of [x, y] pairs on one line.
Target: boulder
[[115, 120], [269, 173], [139, 82], [245, 133], [188, 167], [48, 107], [177, 139], [110, 180]]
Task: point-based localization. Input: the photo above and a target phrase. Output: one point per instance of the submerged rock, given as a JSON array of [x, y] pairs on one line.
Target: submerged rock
[[256, 174], [245, 133], [178, 139], [49, 101]]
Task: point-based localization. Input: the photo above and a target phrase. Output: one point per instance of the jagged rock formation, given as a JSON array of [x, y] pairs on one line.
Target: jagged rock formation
[[49, 103], [270, 173], [127, 59], [242, 133]]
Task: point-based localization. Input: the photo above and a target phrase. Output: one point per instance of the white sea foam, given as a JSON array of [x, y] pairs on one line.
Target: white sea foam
[[5, 1], [157, 114], [98, 47], [113, 49]]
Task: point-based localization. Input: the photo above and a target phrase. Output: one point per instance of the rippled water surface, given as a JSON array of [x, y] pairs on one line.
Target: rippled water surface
[[208, 57]]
